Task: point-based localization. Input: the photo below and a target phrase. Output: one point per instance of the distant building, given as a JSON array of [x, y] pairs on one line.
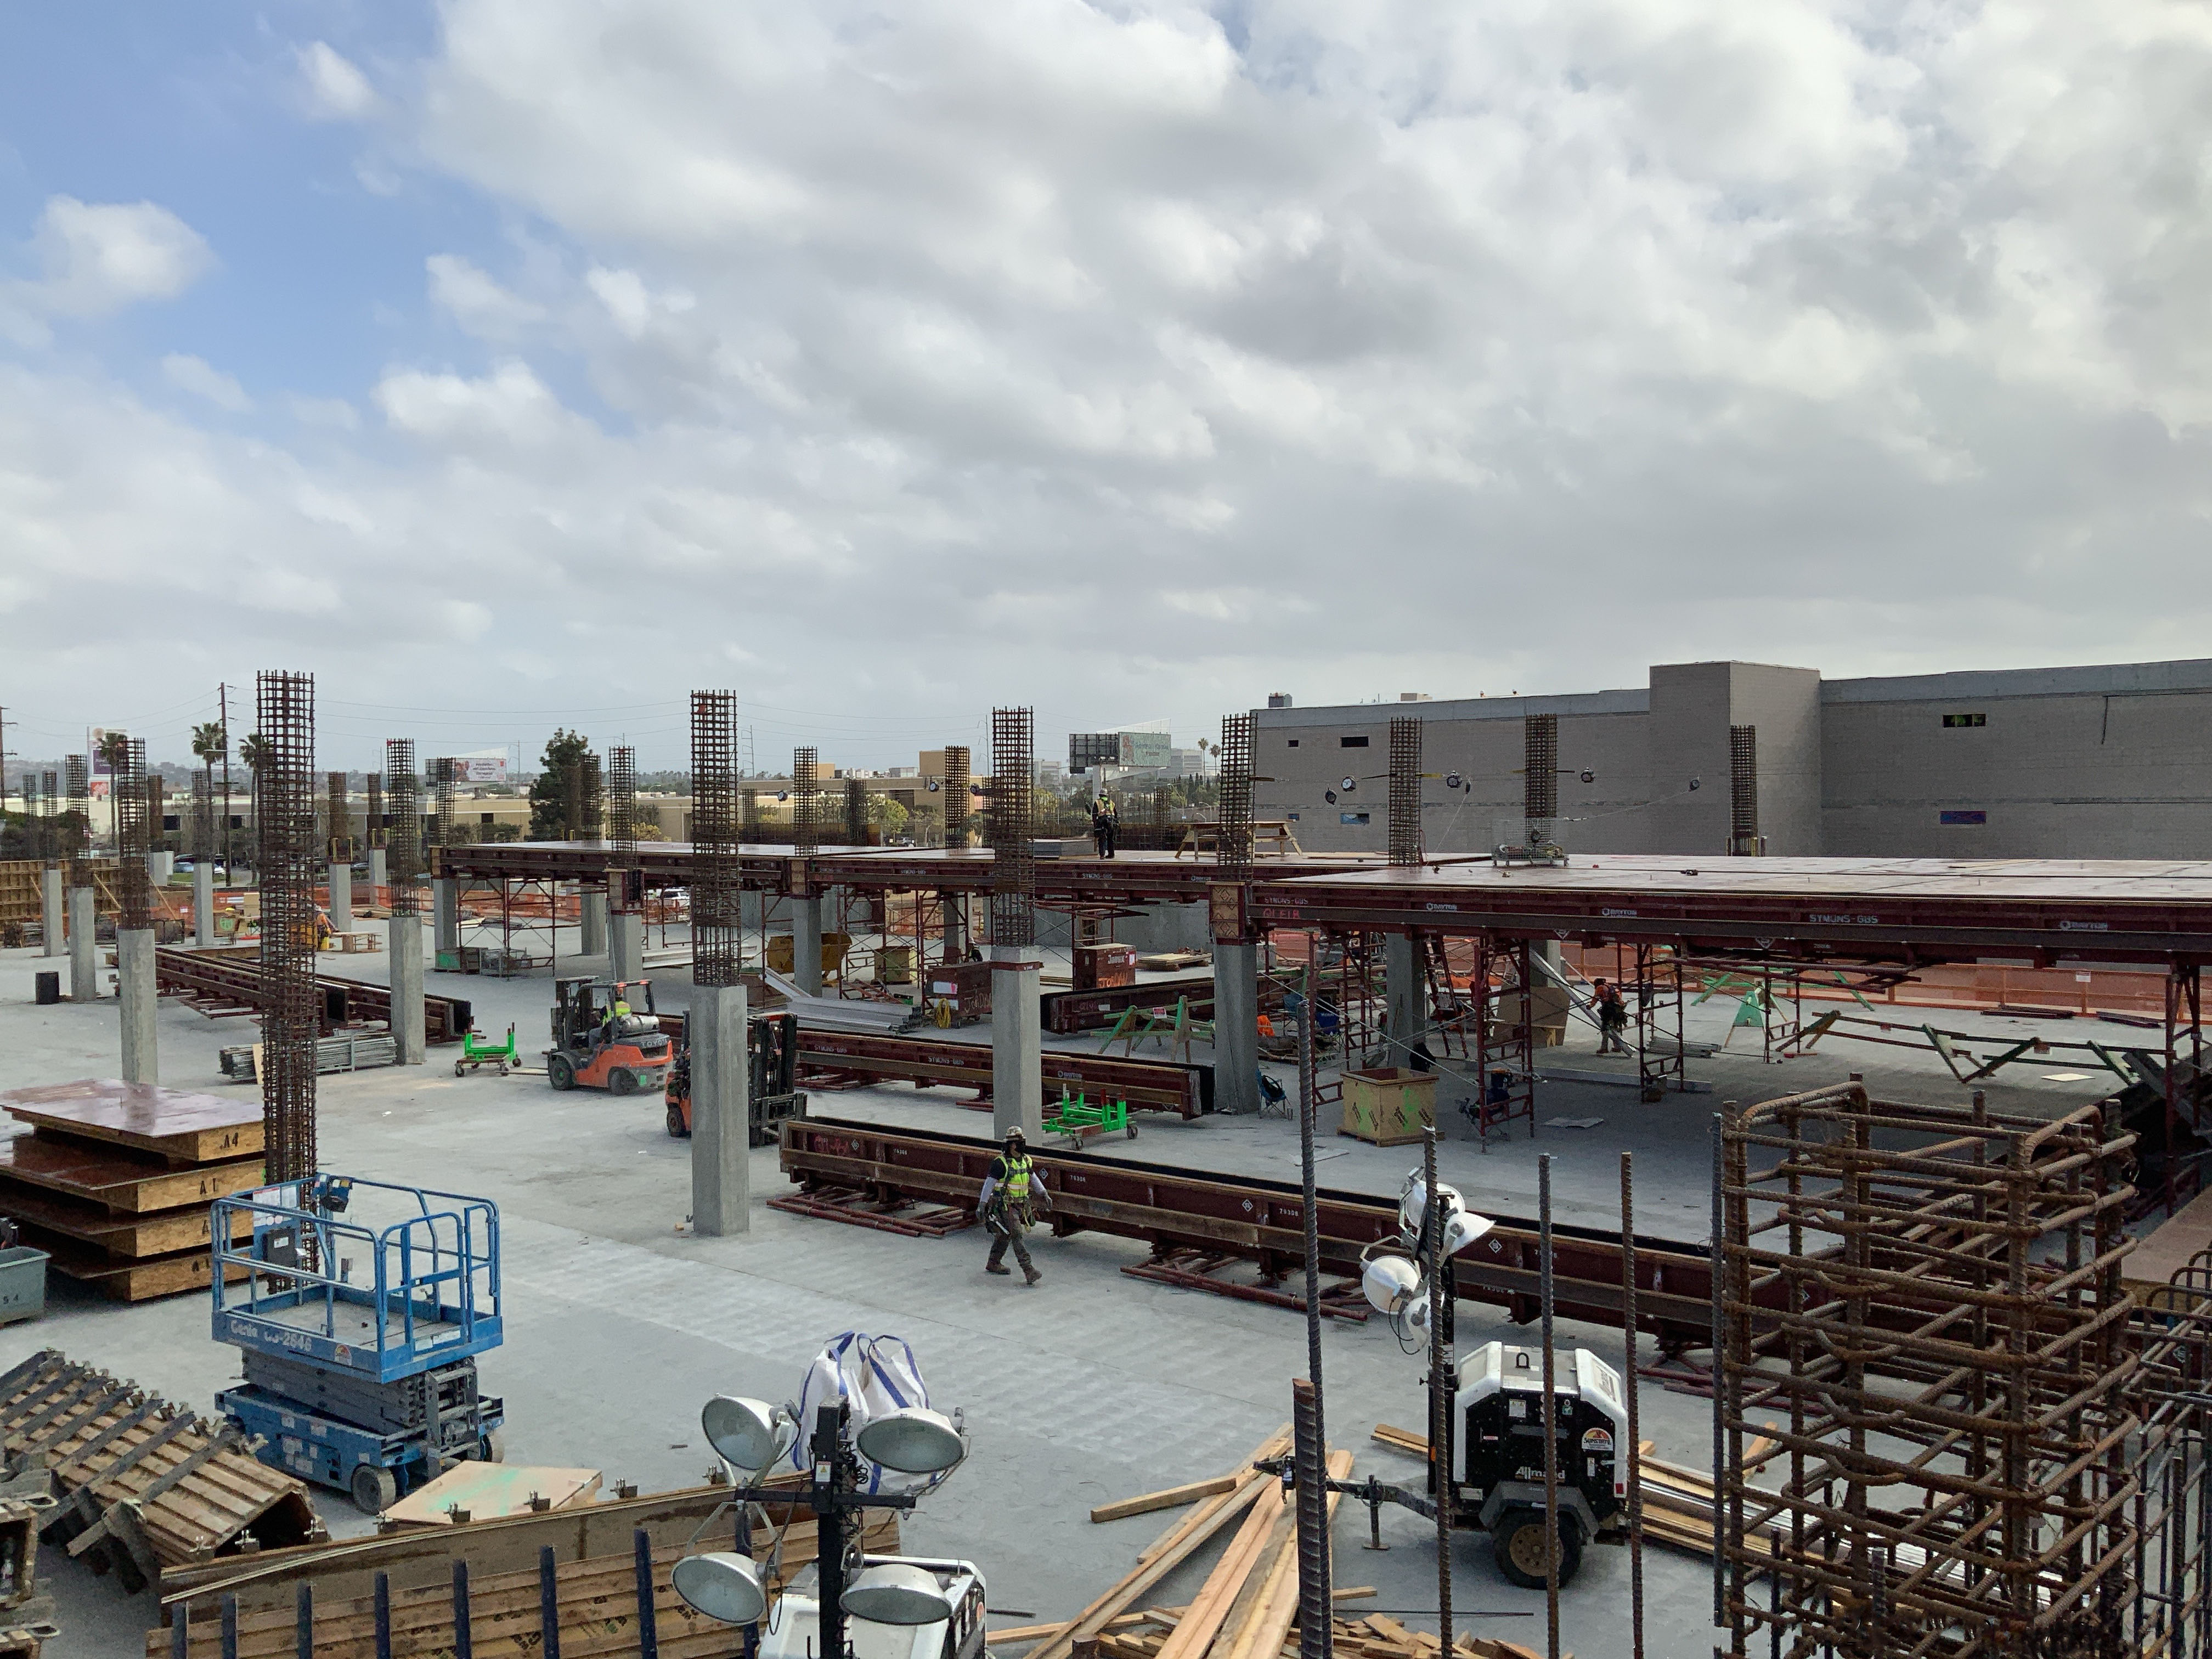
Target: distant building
[[2107, 761]]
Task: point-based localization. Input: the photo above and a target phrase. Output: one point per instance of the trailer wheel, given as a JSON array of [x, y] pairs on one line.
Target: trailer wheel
[[374, 1489], [1518, 1541], [559, 1072]]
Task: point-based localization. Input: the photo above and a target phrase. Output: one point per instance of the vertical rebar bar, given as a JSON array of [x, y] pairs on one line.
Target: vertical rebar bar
[[464, 1612], [230, 1631], [1315, 1629], [403, 839], [1406, 790], [1628, 1383], [1012, 821], [303, 1622], [380, 1613], [1551, 1416], [285, 790], [548, 1604], [1440, 1384], [180, 1632], [716, 915], [649, 1630]]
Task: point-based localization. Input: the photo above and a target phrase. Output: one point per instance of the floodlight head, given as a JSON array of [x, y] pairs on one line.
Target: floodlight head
[[722, 1586], [747, 1434], [1350, 786], [933, 786], [1387, 1282], [896, 1593], [915, 1441], [1451, 779], [1589, 776], [1330, 795]]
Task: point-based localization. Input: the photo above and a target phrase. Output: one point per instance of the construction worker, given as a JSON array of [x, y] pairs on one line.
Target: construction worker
[[1012, 1194], [1105, 825], [1612, 1018], [611, 1022]]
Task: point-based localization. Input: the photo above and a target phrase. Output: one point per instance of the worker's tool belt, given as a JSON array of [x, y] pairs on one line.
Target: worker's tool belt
[[1006, 1215]]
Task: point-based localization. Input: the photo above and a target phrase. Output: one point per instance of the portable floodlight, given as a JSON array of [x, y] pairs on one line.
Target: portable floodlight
[[722, 1586], [747, 1434], [915, 1441], [898, 1593]]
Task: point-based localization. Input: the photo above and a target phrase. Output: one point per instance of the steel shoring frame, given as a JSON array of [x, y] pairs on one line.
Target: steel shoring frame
[[1505, 1056], [1659, 1060], [2184, 1010]]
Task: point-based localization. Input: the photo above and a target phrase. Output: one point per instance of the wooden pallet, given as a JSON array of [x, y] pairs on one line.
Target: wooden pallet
[[134, 1237], [183, 1127], [141, 1482], [123, 1278]]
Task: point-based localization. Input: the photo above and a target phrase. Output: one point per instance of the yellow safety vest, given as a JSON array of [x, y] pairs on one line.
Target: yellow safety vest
[[1017, 1180]]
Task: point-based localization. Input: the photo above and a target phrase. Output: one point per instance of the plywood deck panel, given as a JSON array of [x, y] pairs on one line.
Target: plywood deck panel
[[170, 1123], [123, 1182], [119, 1236]]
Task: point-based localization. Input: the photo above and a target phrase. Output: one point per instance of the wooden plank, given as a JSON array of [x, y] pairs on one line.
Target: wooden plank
[[172, 1123], [1262, 1635], [139, 1281], [1170, 1497], [1211, 1607], [121, 1182]]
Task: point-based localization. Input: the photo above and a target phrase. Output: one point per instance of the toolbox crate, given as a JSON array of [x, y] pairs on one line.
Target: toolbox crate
[[23, 1284]]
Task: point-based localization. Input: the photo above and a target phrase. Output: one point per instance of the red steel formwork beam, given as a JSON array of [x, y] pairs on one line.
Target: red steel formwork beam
[[1176, 1212], [1146, 1085]]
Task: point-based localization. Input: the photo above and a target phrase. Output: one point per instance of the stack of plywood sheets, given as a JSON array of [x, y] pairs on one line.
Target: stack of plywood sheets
[[115, 1179]]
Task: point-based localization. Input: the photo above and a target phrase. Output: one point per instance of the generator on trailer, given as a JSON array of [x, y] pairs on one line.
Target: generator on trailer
[[360, 1337]]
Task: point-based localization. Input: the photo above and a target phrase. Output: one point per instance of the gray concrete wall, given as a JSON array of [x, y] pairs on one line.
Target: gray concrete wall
[[1785, 704]]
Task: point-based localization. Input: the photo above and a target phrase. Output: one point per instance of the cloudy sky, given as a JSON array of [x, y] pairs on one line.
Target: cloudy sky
[[504, 360]]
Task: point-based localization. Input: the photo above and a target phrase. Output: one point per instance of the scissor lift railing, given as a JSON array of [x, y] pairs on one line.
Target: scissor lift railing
[[385, 1302]]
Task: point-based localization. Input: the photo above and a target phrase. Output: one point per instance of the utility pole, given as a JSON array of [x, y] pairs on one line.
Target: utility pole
[[223, 704]]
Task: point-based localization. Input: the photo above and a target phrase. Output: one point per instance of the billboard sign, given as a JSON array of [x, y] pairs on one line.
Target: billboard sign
[[485, 766]]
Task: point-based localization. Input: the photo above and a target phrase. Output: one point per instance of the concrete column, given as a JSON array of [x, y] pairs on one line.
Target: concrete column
[[84, 964], [1016, 1042], [379, 874], [721, 1131], [134, 977], [50, 909], [203, 903], [1236, 1027], [806, 944], [342, 898], [160, 865], [1403, 996], [955, 926], [626, 947], [445, 912], [593, 918], [404, 951]]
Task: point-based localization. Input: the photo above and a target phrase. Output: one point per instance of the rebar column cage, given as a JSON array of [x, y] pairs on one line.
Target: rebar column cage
[[749, 815], [76, 832], [134, 838], [717, 916], [622, 828], [1012, 822], [442, 771], [1928, 1298], [805, 802], [340, 820], [959, 781], [156, 791], [50, 798], [1233, 847], [1406, 790], [581, 801], [373, 826], [856, 813], [403, 839], [287, 854], [1743, 791], [1540, 778], [202, 831]]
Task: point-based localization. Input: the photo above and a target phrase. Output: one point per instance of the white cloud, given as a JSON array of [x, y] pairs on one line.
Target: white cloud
[[334, 412], [202, 379], [1462, 347], [334, 90], [100, 257]]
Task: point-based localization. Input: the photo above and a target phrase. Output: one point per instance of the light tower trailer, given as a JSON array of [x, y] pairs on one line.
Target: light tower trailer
[[360, 1340], [1496, 1455]]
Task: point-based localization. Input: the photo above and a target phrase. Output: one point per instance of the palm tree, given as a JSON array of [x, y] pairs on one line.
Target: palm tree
[[210, 744]]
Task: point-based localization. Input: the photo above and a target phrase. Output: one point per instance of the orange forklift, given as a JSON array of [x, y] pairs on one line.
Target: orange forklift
[[606, 1035], [773, 1092]]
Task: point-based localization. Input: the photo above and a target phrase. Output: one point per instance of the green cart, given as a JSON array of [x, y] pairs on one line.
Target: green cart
[[476, 1051], [1078, 1119]]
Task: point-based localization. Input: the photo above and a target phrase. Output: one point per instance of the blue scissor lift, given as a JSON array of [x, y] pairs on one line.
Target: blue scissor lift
[[361, 1339]]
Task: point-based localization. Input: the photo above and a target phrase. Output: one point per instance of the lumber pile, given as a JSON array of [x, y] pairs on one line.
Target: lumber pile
[[114, 1180], [142, 1483], [596, 1598], [1146, 1635]]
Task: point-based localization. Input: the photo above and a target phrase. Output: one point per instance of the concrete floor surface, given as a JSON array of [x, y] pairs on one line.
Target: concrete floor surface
[[1090, 1387]]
